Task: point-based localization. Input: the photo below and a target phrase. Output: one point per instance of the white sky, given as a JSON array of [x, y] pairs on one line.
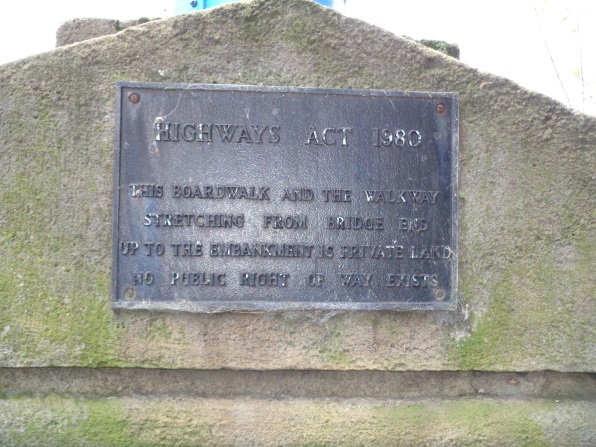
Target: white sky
[[502, 37]]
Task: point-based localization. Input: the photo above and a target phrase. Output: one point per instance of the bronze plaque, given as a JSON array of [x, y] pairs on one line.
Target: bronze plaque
[[270, 198]]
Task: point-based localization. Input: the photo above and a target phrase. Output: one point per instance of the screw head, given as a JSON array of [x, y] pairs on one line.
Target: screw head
[[129, 294], [439, 294], [440, 108], [134, 98]]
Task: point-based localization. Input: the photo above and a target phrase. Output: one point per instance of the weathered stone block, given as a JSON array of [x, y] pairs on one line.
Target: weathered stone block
[[147, 421], [527, 201]]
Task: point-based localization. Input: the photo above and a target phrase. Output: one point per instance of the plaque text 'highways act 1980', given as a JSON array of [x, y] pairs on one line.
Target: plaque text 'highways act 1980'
[[265, 198]]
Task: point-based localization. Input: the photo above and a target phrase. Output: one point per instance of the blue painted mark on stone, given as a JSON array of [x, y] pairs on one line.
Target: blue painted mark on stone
[[183, 6]]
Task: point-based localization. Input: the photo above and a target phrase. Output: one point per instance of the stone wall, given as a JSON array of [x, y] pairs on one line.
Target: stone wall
[[71, 368]]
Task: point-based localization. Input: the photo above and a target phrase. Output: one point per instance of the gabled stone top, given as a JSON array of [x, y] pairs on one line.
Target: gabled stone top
[[527, 195]]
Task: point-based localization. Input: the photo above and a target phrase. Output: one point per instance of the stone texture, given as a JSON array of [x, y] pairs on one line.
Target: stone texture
[[78, 30], [449, 49], [93, 383], [526, 206], [147, 421]]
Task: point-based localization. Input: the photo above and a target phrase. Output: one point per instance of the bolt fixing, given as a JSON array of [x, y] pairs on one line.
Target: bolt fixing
[[134, 98]]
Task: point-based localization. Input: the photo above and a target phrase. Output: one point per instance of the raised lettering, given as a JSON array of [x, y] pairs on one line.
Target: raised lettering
[[264, 279], [197, 279], [287, 222], [336, 195], [355, 280]]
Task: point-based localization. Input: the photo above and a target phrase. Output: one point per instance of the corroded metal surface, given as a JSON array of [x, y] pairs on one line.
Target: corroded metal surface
[[264, 198]]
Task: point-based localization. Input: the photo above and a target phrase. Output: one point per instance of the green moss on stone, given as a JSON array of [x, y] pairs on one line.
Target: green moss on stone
[[517, 326], [57, 422], [54, 300], [531, 264], [301, 35], [162, 421], [332, 345], [470, 422], [159, 330]]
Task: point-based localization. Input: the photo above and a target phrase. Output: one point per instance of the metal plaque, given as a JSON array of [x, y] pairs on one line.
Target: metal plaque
[[263, 198]]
